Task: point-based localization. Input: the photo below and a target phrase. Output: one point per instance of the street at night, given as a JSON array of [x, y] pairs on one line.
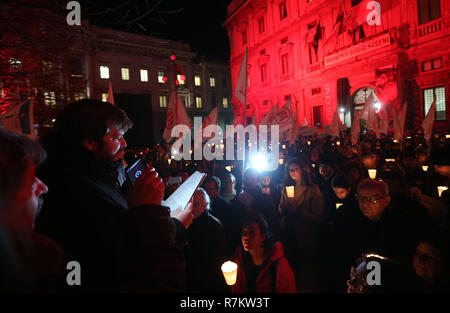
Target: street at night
[[225, 155]]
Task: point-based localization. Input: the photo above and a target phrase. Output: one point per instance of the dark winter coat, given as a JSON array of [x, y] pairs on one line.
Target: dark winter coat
[[276, 275], [86, 212]]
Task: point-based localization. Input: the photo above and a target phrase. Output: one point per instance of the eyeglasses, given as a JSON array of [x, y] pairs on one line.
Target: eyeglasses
[[371, 200]]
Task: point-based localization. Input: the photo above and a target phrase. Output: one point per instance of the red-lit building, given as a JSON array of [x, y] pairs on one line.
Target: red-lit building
[[309, 51]]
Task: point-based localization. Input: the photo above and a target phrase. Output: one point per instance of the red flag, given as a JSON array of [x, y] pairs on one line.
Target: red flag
[[176, 115], [356, 128], [110, 94], [334, 128], [211, 119]]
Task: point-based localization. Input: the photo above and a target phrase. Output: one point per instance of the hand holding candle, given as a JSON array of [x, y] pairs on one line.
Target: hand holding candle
[[290, 191], [372, 173]]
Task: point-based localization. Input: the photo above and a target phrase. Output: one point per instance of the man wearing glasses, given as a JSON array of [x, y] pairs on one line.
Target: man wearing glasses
[[377, 227]]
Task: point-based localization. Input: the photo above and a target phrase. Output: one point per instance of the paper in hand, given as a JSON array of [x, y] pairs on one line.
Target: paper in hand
[[181, 196]]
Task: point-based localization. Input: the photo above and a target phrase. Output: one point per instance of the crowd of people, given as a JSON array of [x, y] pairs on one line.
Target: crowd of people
[[311, 225]]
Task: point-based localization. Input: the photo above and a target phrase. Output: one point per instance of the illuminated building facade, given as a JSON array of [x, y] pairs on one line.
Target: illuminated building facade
[[317, 54]]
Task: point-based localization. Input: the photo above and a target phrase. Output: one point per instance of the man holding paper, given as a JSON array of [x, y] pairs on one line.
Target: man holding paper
[[122, 241]]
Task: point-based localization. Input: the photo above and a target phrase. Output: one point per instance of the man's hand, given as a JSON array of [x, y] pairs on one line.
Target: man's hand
[[147, 190], [184, 216]]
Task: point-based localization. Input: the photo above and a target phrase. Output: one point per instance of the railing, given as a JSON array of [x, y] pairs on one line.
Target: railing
[[429, 28], [315, 67]]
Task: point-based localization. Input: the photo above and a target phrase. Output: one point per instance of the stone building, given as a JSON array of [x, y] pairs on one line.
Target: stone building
[[324, 54]]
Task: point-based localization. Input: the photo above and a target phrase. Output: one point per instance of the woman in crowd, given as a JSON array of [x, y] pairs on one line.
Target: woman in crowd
[[301, 218], [262, 267]]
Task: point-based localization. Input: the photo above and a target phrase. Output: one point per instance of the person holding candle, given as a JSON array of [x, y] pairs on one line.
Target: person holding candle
[[301, 221], [378, 227], [262, 267]]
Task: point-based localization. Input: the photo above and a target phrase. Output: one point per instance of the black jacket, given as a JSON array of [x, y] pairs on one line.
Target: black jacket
[[86, 213], [205, 253]]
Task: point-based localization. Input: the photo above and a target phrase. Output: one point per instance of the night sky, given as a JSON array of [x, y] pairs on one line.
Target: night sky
[[197, 22]]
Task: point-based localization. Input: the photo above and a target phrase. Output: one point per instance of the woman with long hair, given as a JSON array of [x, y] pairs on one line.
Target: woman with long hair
[[262, 267], [301, 220]]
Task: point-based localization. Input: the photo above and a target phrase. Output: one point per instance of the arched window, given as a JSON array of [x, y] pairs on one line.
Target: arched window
[[361, 95]]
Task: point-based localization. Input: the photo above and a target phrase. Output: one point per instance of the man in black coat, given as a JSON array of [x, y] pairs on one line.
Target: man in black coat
[[253, 201], [205, 251], [230, 217], [90, 216], [377, 228]]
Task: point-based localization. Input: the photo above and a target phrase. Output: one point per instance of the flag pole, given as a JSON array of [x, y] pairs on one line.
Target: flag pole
[[245, 116]]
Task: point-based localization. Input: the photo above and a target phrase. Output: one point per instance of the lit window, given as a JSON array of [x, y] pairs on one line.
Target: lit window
[[78, 96], [47, 67], [284, 64], [428, 97], [105, 97], [431, 65], [283, 10], [144, 75], [182, 82], [104, 72], [161, 77], [212, 82], [50, 98], [15, 63], [198, 102], [197, 80], [163, 101], [225, 103], [125, 73]]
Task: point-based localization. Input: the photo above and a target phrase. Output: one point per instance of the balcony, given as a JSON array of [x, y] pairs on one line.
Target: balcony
[[315, 67], [425, 31]]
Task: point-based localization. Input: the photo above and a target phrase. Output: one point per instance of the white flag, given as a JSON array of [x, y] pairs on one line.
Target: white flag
[[110, 93], [384, 128], [241, 86], [211, 119], [284, 117], [20, 119], [334, 126], [294, 132], [356, 128], [428, 121], [238, 120], [176, 115], [271, 117]]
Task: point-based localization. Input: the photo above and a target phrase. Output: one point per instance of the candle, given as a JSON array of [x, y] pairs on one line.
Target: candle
[[228, 168], [425, 168], [290, 191], [389, 160], [313, 165], [372, 173], [338, 143], [395, 140], [441, 189], [281, 161], [229, 270], [309, 143], [338, 205], [283, 146], [169, 160], [447, 136]]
